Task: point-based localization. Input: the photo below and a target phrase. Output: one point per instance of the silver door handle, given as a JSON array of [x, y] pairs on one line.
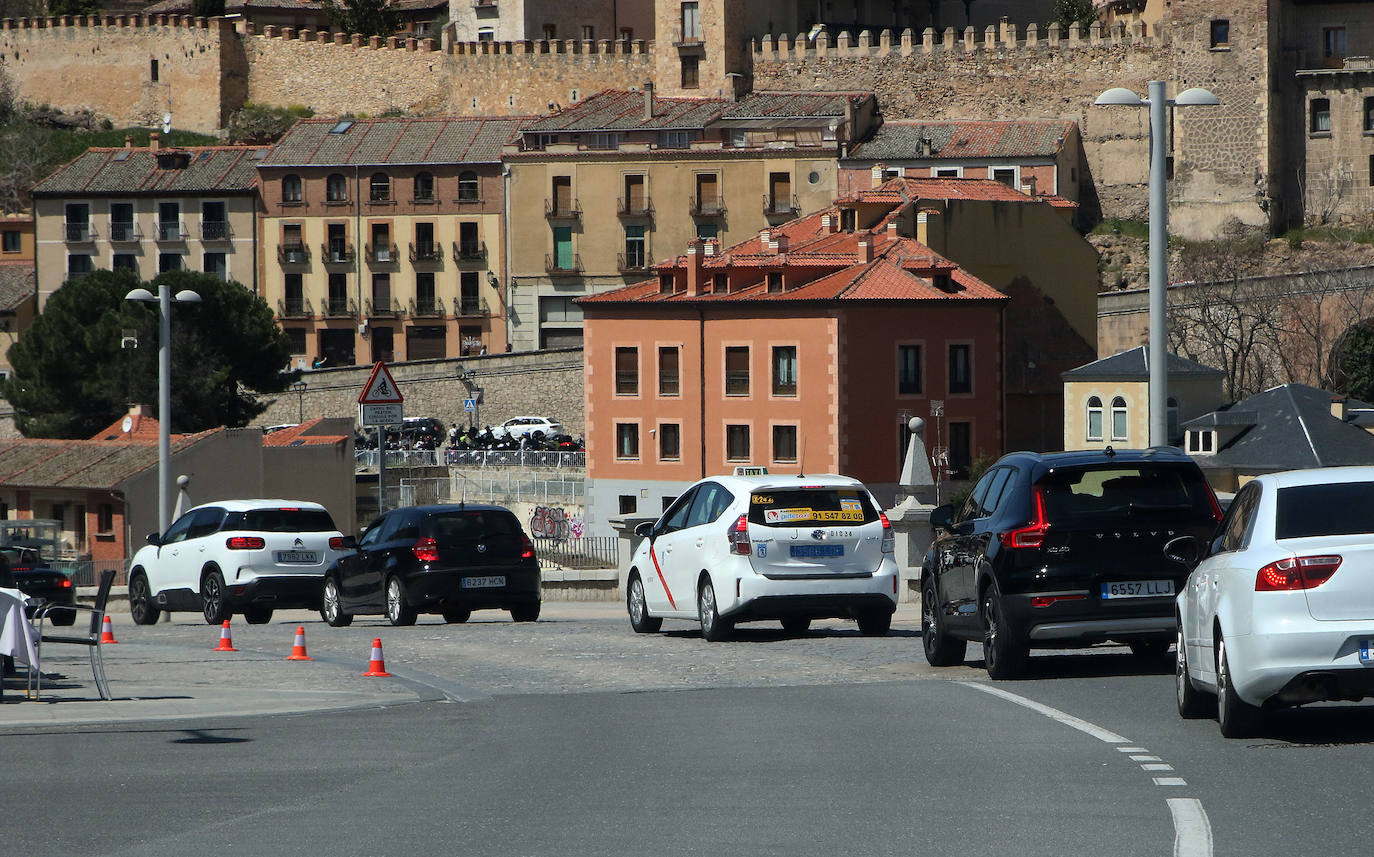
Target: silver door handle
[[700, 542]]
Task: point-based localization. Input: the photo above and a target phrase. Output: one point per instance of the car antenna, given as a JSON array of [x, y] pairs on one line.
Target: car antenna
[[801, 471]]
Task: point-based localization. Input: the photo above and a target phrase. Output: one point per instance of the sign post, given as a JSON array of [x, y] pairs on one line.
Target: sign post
[[379, 405]]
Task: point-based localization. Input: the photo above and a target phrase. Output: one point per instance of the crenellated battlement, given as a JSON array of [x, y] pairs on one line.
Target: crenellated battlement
[[133, 22], [600, 47], [1002, 38]]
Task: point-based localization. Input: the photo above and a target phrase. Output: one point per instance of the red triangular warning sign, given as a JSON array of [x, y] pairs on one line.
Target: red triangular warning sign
[[380, 388]]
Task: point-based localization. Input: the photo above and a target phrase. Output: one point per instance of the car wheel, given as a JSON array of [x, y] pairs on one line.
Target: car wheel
[[638, 606], [796, 624], [212, 602], [1236, 717], [1150, 650], [1004, 654], [331, 611], [941, 649], [713, 628], [256, 614], [874, 623], [525, 613], [1192, 703], [457, 616], [141, 606], [398, 612]]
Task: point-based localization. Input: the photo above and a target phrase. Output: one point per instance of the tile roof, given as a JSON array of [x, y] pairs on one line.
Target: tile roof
[[1020, 138], [17, 284], [377, 142], [1135, 364], [168, 7], [301, 435], [982, 190], [32, 463], [793, 105], [1294, 429], [142, 429], [623, 110], [212, 169]]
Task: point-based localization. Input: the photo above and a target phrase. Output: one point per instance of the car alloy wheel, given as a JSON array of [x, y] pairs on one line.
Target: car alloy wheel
[[940, 648], [1003, 655], [330, 609], [713, 628], [638, 607], [141, 602], [1236, 717], [212, 598], [397, 611], [1191, 703]]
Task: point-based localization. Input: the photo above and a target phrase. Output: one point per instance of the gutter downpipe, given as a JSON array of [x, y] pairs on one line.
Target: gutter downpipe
[[507, 279]]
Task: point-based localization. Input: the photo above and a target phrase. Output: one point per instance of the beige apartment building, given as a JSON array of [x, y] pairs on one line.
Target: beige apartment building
[[518, 20], [382, 238], [148, 210], [601, 189], [18, 303]]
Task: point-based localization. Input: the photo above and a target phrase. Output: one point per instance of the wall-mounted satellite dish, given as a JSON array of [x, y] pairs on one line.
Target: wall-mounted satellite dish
[[127, 425], [167, 122]]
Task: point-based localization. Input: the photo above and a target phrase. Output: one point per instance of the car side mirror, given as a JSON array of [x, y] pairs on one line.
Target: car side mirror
[[941, 516], [645, 530], [350, 543], [1185, 550], [155, 539]]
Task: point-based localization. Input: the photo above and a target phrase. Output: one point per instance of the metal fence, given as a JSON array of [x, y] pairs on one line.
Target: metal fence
[[499, 490], [588, 552], [86, 572], [366, 459]]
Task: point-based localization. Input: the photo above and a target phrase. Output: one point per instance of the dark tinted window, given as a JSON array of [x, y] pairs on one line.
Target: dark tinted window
[[973, 506], [451, 527], [992, 501], [205, 522], [1235, 527], [1325, 510], [676, 516], [807, 507], [286, 520], [711, 500], [1127, 490]]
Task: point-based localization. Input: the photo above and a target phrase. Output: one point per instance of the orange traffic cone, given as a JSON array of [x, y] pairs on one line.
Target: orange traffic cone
[[107, 634], [298, 650], [377, 666], [226, 639]]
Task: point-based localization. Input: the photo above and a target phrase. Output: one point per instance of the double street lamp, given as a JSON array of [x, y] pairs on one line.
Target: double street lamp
[[1157, 101], [164, 388]]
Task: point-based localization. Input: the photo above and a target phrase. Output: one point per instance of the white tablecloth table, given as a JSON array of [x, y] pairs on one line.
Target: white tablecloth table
[[16, 634]]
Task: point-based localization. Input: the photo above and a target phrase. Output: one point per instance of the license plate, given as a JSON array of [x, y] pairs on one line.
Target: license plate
[[1137, 589], [298, 556], [817, 551], [1367, 652], [483, 582]]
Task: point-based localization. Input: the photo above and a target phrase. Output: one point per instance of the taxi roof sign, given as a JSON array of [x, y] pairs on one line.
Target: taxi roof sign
[[751, 470], [380, 388]]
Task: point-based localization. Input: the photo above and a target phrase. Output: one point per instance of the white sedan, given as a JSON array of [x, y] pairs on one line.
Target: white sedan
[[1280, 612]]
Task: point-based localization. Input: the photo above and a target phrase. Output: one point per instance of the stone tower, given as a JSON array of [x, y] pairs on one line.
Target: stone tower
[[701, 46]]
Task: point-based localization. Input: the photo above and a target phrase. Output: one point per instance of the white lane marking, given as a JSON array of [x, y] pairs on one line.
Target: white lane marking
[[1170, 781], [1105, 735], [1157, 767], [1131, 750], [1192, 830], [1145, 759]]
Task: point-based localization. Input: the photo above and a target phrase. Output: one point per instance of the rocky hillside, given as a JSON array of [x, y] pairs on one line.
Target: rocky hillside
[[1124, 262]]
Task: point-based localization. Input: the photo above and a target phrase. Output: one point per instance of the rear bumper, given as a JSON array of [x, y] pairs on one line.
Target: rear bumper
[[277, 592], [1091, 620], [1290, 666], [753, 596], [439, 589]]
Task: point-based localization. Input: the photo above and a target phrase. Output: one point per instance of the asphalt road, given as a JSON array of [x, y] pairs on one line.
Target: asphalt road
[[585, 739]]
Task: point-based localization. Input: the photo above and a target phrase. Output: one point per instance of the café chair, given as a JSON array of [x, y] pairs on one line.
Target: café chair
[[91, 639]]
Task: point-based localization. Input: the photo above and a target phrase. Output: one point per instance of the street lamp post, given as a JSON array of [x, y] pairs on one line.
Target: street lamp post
[[1157, 101], [164, 389], [299, 389]]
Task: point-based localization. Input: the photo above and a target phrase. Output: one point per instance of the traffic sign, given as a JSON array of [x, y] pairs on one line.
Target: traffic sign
[[384, 414], [470, 405], [380, 388]]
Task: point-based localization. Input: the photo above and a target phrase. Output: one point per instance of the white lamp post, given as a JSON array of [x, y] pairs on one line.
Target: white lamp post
[[164, 389], [1159, 233]]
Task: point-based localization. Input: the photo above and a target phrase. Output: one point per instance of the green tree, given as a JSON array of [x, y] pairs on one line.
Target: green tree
[[73, 7], [72, 377], [207, 8], [1352, 363], [1068, 12], [364, 17], [259, 124]]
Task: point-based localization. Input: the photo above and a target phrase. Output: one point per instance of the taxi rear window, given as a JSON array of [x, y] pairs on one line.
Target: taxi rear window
[[810, 507]]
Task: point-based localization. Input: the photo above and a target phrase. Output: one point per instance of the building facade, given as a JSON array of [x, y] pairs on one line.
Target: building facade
[[519, 20], [1107, 402], [18, 287]]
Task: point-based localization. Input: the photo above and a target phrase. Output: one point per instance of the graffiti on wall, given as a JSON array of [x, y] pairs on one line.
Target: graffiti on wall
[[553, 522]]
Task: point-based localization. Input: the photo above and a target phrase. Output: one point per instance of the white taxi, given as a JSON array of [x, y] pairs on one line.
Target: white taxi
[[751, 546]]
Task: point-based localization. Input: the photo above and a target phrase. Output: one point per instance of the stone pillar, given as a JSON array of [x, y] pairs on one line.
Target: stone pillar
[[822, 43], [990, 37], [969, 35], [288, 33], [1075, 35], [910, 518], [865, 41], [1054, 34], [842, 42], [341, 39], [356, 39], [765, 45], [412, 44], [884, 43], [1032, 36], [375, 42], [306, 34], [391, 42], [950, 38]]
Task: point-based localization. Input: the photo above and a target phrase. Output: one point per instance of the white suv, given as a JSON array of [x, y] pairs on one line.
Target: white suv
[[518, 427], [245, 556], [747, 547]]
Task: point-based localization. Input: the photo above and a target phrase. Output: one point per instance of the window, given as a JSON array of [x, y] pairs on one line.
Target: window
[[469, 240], [562, 195], [908, 370], [1173, 419], [13, 242], [784, 370], [629, 504], [104, 518], [425, 247], [336, 235], [626, 440], [691, 72], [665, 284], [588, 33], [122, 221], [635, 254], [336, 188], [468, 186], [1202, 441], [635, 197], [736, 443], [1371, 170], [563, 248], [469, 300], [737, 370], [1119, 428], [676, 139], [691, 22], [217, 265], [708, 230], [960, 369], [169, 221], [486, 34], [168, 262], [124, 262], [424, 293], [338, 294], [296, 335], [960, 449], [550, 32], [381, 242], [627, 371], [669, 441], [1005, 175], [720, 284], [780, 193], [1094, 418], [291, 188], [1369, 114], [381, 292], [426, 342], [1321, 116], [708, 194], [424, 187], [1333, 46], [80, 263], [214, 221], [785, 444], [78, 221], [668, 371], [775, 282], [152, 71], [949, 172], [1221, 33], [294, 298], [383, 344], [379, 188]]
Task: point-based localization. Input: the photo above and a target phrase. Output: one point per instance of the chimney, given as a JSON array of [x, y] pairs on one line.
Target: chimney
[[865, 248], [893, 230], [1028, 186], [878, 170], [154, 141], [765, 236], [128, 141], [778, 243], [648, 100], [1338, 407], [694, 277], [828, 223], [710, 248]]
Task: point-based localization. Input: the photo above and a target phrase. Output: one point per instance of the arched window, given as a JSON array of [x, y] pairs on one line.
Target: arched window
[[424, 186], [1119, 419], [380, 187], [467, 186], [1094, 418], [291, 188], [336, 188]]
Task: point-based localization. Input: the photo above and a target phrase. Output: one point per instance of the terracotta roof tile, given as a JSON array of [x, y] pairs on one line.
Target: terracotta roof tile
[[17, 284], [909, 140], [623, 110], [377, 142], [211, 169]]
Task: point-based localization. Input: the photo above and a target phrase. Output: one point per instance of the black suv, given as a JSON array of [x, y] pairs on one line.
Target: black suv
[[435, 559], [1061, 550]]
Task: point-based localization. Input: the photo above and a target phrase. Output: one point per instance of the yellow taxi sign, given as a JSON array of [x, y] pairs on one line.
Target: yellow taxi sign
[[751, 470]]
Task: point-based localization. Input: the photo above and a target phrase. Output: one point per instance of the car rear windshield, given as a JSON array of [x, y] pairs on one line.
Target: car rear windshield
[[280, 521], [807, 507], [453, 527], [1341, 509], [1124, 491]]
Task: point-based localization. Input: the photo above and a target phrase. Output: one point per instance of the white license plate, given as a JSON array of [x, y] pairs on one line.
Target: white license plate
[[483, 582], [298, 556], [1137, 589], [1367, 652]]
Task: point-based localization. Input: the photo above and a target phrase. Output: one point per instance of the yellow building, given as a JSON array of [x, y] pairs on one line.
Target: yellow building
[[1107, 402], [602, 188], [18, 288], [382, 238]]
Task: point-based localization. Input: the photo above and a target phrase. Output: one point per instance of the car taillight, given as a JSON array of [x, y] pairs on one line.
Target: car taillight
[[66, 583], [426, 550], [526, 547], [1303, 572], [245, 543], [1033, 534], [1047, 600], [336, 543], [889, 540], [739, 536]]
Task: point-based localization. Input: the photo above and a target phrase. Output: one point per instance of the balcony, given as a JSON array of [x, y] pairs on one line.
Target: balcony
[[556, 209], [484, 4], [642, 207], [122, 233], [294, 308], [80, 232], [428, 307], [215, 230], [338, 307], [688, 41], [337, 253], [707, 206], [293, 254], [779, 206], [468, 305], [633, 263], [171, 230], [383, 254], [469, 251], [427, 251], [569, 265], [382, 307]]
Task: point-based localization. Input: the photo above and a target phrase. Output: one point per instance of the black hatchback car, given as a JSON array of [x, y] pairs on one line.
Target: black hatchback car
[[1064, 549], [22, 568], [449, 560]]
